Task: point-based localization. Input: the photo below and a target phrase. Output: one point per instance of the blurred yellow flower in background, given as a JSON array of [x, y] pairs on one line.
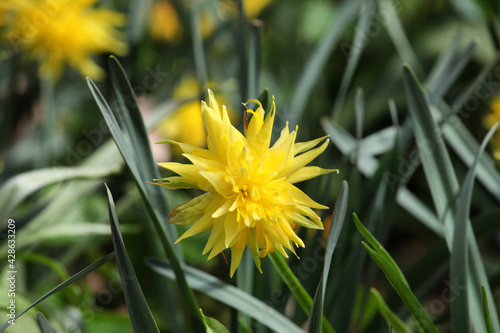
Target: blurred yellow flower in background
[[491, 119], [57, 33], [165, 22], [250, 200], [253, 8]]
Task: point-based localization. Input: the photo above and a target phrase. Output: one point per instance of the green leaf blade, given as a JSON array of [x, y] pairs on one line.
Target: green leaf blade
[[140, 315], [230, 295]]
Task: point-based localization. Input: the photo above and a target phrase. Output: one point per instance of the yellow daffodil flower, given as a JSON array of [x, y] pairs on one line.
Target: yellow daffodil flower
[[63, 32], [491, 119], [250, 198]]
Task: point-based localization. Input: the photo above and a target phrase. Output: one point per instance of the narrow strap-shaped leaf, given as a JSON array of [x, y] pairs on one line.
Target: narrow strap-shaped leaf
[[19, 187], [43, 323], [397, 324], [316, 315], [457, 67], [231, 296], [335, 228], [305, 301], [460, 321], [314, 67], [352, 55], [212, 325], [486, 311], [314, 324], [186, 292], [397, 279], [140, 315], [444, 188], [63, 285], [132, 123]]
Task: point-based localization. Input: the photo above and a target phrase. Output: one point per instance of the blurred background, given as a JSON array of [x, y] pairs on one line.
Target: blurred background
[[333, 67]]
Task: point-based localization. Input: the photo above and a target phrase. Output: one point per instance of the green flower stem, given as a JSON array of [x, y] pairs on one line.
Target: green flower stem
[[47, 122], [301, 295]]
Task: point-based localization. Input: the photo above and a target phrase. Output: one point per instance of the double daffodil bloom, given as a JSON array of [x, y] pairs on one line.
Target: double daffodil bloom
[[250, 198]]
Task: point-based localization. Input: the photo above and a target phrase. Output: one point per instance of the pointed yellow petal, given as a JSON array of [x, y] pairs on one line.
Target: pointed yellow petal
[[236, 255], [303, 159], [186, 148], [305, 222], [308, 172], [176, 183], [254, 126], [217, 234], [261, 142], [212, 102], [225, 208], [301, 147], [202, 225], [251, 241], [230, 228], [188, 171], [301, 198], [202, 164]]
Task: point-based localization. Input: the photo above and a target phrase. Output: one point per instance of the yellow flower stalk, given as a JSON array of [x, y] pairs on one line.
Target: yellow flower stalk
[[57, 33], [250, 198], [491, 119]]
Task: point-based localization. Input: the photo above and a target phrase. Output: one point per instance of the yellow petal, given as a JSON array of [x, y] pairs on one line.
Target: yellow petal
[[218, 180], [217, 235], [230, 228], [305, 222], [308, 172], [251, 240], [303, 159], [202, 225], [188, 171], [301, 147], [212, 102], [187, 148], [236, 255], [176, 183], [301, 198]]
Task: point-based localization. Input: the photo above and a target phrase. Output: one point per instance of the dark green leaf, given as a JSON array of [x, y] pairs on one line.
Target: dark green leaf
[[212, 325], [138, 309], [486, 311], [353, 55], [397, 324], [314, 67], [460, 321], [230, 295], [444, 189], [394, 275], [43, 323], [316, 315], [127, 154]]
